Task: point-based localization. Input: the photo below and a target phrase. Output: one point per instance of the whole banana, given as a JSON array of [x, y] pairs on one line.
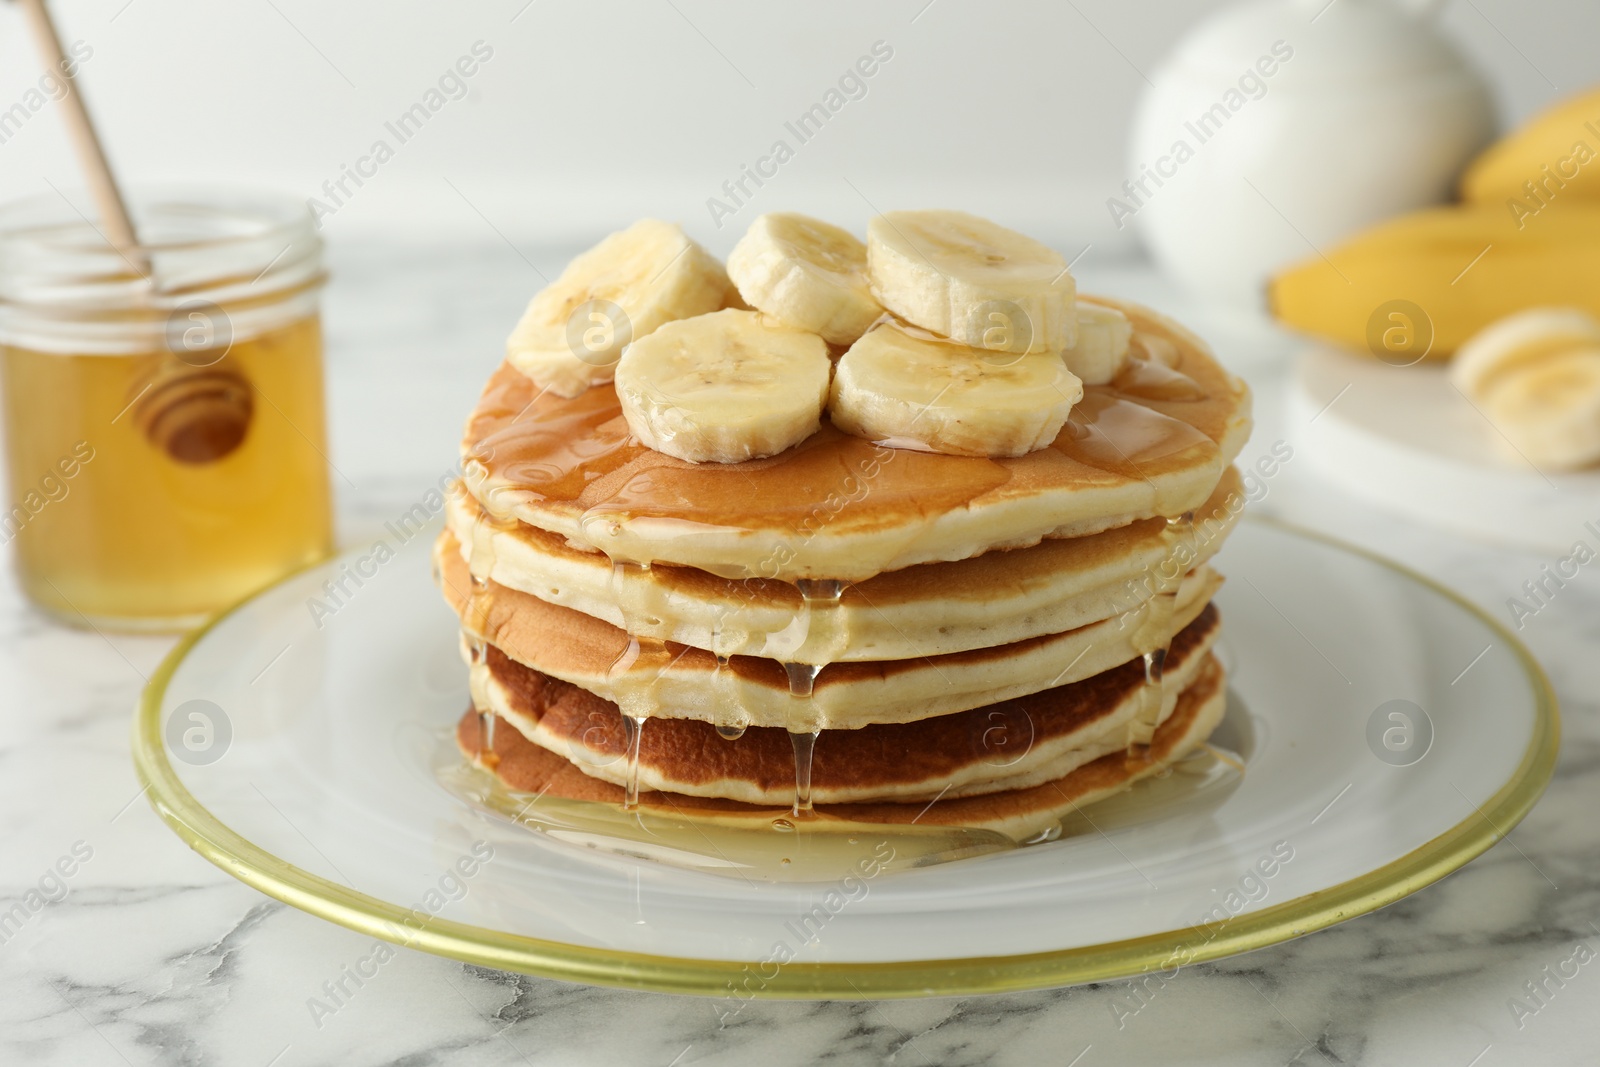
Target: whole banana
[[1551, 160], [1446, 272]]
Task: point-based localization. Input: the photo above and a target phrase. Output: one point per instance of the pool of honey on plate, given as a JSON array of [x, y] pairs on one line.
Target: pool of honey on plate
[[150, 490]]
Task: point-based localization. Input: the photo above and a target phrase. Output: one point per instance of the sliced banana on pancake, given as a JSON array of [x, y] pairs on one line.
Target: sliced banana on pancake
[[1102, 346], [725, 387], [926, 393], [971, 280], [1536, 374], [807, 273], [622, 289]]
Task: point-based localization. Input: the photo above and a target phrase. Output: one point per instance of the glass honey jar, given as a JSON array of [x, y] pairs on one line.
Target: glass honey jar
[[163, 407]]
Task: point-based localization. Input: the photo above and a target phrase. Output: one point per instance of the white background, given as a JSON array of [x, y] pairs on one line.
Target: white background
[[592, 114]]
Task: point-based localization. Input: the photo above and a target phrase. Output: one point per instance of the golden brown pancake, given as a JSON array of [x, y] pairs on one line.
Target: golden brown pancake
[[926, 610], [677, 681], [1154, 442], [1009, 745], [1020, 813]]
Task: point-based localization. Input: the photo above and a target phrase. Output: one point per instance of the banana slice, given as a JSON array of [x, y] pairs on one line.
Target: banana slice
[[807, 273], [1536, 374], [1550, 409], [1102, 346], [972, 281], [622, 289], [1518, 340], [913, 390], [725, 387]]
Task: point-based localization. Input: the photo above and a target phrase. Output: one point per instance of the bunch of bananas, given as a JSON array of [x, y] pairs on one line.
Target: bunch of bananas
[[1525, 234]]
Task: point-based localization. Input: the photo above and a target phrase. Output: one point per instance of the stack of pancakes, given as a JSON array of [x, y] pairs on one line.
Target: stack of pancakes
[[847, 631]]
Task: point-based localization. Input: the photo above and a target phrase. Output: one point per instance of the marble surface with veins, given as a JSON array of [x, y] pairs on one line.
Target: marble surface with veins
[[154, 956]]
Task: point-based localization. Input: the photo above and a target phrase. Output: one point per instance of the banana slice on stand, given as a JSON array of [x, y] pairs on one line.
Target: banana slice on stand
[[1536, 375], [908, 389], [807, 273], [724, 387], [973, 281], [1551, 410], [624, 288]]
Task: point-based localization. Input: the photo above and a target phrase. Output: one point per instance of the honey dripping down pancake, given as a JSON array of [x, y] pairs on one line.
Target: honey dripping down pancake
[[792, 535]]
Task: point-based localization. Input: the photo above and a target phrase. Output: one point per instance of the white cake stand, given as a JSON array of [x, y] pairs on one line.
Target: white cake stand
[[1408, 440]]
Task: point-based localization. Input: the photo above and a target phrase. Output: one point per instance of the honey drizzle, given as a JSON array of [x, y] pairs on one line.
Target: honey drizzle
[[633, 728], [1109, 432], [802, 679], [486, 753], [804, 743], [819, 601], [475, 620], [726, 731], [1149, 379], [635, 680], [1153, 638]]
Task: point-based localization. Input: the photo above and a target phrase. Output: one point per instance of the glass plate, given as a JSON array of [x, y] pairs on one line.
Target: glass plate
[[1390, 732]]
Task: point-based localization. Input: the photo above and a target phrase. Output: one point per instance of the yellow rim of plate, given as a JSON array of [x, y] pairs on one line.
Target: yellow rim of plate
[[1161, 952]]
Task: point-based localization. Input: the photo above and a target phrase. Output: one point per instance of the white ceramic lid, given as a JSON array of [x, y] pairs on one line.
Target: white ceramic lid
[[1367, 45]]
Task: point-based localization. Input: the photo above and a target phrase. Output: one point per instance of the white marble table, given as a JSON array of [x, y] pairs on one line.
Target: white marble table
[[154, 956]]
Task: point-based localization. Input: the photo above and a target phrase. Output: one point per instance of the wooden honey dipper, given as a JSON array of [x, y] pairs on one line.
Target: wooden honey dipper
[[188, 406]]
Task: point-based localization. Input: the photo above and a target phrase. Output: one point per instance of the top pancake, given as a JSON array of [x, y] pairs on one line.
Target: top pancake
[[1153, 442]]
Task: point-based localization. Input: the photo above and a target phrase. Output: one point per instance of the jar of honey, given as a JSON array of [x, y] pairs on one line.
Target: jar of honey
[[163, 406]]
